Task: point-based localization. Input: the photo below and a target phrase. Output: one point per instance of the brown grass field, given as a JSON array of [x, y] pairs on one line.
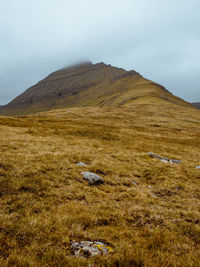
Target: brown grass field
[[45, 203]]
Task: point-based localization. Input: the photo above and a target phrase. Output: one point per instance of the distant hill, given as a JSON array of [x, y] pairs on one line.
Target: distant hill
[[88, 84], [196, 105]]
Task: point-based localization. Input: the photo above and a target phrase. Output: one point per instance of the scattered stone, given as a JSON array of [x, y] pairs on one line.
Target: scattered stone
[[92, 178], [152, 195], [81, 164], [89, 248], [177, 188], [197, 167], [135, 183], [149, 186], [163, 159]]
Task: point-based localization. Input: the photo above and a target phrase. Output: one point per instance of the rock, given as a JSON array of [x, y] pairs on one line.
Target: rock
[[175, 161], [177, 188], [89, 248], [163, 159], [135, 183], [92, 178], [152, 195], [197, 167], [81, 164]]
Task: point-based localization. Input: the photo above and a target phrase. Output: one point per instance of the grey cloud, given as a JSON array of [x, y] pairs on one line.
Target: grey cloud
[[159, 39]]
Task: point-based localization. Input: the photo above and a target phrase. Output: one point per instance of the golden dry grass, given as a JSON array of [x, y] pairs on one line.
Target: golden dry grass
[[45, 203]]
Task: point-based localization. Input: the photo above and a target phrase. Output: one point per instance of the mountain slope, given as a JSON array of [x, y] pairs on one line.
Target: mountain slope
[[88, 85], [196, 105]]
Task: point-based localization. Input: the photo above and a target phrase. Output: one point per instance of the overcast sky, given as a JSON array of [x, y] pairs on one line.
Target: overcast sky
[[160, 39]]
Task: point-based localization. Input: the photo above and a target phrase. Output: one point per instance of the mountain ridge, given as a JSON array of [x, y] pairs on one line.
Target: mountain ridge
[[196, 105], [88, 84]]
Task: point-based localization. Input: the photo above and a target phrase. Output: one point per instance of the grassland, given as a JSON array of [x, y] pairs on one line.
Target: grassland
[[45, 203]]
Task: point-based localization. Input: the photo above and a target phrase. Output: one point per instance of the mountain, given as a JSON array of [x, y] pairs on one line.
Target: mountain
[[88, 84], [147, 210], [196, 105]]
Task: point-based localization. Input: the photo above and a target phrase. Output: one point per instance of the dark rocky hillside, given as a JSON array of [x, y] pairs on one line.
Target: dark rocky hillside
[[88, 84], [196, 105]]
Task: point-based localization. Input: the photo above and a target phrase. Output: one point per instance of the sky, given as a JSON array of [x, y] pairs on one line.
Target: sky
[[159, 39]]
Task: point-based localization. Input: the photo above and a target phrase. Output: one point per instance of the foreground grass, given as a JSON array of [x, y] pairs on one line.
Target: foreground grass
[[45, 203]]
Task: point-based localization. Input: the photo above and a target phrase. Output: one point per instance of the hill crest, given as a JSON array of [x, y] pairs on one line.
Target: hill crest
[[88, 84]]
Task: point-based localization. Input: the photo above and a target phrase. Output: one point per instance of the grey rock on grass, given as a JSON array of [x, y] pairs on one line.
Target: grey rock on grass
[[89, 248], [164, 159], [81, 164], [134, 182], [92, 178], [197, 167]]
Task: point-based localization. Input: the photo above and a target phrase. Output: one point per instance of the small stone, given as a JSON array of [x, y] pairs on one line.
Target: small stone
[[197, 167], [81, 164], [89, 248], [164, 159], [152, 195], [92, 178], [133, 182], [175, 161], [177, 188]]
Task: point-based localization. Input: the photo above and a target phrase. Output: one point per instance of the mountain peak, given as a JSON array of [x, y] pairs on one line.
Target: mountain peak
[[87, 84], [80, 64]]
